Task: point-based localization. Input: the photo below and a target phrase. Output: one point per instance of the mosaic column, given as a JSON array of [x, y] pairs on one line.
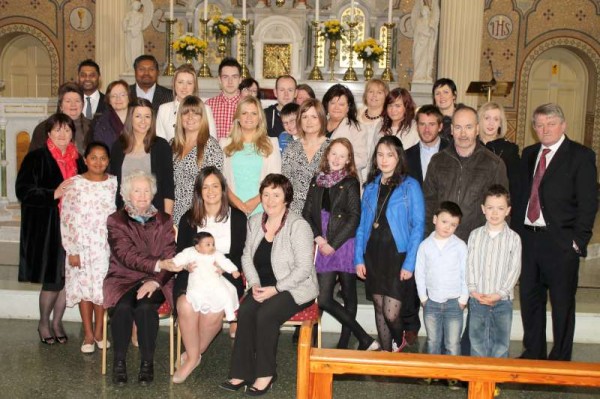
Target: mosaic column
[[110, 39], [459, 57]]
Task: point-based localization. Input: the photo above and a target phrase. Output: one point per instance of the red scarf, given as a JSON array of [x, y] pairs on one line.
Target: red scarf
[[67, 162]]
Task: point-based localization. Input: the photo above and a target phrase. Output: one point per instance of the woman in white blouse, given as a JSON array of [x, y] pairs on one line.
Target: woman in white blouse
[[185, 84]]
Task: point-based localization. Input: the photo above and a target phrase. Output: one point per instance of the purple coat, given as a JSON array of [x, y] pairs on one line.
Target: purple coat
[[134, 250]]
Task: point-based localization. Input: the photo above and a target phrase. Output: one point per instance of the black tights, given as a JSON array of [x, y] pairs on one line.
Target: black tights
[[52, 303], [388, 320], [346, 315]]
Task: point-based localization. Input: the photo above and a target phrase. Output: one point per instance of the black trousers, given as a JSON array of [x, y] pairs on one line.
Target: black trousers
[[411, 305], [255, 347], [145, 314], [548, 267]]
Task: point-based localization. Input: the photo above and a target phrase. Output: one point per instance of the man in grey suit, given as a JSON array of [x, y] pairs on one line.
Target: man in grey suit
[[146, 76], [554, 215]]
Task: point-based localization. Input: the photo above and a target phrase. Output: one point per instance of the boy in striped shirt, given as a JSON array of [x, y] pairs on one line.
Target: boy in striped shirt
[[493, 269]]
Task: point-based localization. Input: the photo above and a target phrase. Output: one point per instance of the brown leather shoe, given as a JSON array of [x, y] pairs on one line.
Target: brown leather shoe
[[411, 337]]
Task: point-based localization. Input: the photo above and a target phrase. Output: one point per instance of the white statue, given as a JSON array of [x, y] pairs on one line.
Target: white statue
[[134, 39], [425, 17]]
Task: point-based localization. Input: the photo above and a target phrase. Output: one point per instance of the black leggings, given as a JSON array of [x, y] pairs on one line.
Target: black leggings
[[346, 315]]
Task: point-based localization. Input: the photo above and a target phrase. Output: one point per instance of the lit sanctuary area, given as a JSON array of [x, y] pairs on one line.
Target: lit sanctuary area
[[514, 54]]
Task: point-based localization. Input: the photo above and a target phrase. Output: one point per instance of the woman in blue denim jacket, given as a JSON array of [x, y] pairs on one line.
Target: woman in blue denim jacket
[[391, 228]]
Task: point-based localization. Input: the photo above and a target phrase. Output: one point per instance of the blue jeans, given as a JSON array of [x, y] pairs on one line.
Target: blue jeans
[[490, 328], [443, 321]]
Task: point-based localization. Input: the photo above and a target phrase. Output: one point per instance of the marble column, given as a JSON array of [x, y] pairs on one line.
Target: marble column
[[459, 57], [110, 39]]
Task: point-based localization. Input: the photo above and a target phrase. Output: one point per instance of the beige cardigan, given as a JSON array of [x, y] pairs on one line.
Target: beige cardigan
[[271, 164], [291, 257]]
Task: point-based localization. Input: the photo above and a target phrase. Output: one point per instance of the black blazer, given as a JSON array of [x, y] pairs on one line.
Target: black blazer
[[184, 239], [568, 193], [161, 95], [509, 152], [161, 166], [101, 106], [413, 160], [345, 210]]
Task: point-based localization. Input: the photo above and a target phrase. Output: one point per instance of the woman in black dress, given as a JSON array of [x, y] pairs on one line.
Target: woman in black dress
[[392, 224]]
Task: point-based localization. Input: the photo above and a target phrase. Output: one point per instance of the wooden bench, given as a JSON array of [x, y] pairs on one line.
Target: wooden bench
[[316, 368]]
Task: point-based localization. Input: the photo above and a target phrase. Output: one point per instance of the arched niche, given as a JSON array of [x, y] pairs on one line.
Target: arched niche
[[13, 30], [276, 38], [592, 60]]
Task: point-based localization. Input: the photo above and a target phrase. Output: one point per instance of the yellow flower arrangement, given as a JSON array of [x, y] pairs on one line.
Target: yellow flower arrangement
[[189, 46], [333, 30], [224, 27], [368, 50]]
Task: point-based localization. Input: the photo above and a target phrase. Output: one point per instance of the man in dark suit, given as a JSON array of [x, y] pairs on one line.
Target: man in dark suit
[[554, 217], [88, 77], [146, 76], [429, 125]]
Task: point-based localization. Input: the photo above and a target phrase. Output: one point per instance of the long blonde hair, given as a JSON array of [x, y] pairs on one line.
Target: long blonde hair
[[195, 105], [260, 140]]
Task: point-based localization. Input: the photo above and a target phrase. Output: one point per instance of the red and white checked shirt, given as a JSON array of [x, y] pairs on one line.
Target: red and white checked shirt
[[223, 109]]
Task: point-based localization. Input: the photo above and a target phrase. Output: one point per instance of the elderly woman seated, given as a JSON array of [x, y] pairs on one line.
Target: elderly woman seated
[[278, 264], [142, 243]]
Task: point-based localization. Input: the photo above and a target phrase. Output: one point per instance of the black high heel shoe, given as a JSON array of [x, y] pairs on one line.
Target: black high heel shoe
[[48, 340], [63, 339], [228, 386], [253, 391]]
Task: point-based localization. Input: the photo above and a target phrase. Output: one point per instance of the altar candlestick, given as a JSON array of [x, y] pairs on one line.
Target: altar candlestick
[[244, 9], [206, 9], [317, 10], [352, 11], [171, 9], [390, 5]]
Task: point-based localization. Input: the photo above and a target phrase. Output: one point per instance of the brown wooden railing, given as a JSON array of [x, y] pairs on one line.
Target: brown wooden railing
[[316, 368]]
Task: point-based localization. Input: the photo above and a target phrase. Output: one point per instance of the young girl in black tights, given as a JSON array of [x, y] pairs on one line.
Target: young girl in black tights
[[391, 228], [332, 209]]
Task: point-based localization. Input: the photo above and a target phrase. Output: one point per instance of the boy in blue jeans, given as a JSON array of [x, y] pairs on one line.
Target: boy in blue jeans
[[441, 282], [493, 269]]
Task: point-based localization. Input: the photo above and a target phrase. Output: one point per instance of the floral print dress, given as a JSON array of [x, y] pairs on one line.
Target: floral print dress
[[85, 207]]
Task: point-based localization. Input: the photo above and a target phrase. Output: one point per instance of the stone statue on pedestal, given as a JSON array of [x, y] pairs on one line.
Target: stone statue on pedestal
[[425, 17], [133, 24]]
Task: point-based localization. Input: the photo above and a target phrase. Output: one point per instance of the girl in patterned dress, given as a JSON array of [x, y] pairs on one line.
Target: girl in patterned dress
[[85, 208]]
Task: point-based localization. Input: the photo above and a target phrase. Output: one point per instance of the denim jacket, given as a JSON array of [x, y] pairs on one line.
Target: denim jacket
[[405, 214]]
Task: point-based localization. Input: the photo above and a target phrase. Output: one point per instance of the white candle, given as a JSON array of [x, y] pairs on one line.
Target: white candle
[[317, 10], [352, 11], [244, 9], [171, 9], [390, 12], [205, 10]]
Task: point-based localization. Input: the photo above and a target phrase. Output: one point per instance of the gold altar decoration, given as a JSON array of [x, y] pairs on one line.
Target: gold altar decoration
[[315, 73], [277, 60], [333, 52], [242, 44], [350, 74], [204, 71], [170, 68], [388, 75]]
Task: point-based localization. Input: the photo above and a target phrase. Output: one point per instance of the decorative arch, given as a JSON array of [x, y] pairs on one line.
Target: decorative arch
[[580, 48], [41, 36]]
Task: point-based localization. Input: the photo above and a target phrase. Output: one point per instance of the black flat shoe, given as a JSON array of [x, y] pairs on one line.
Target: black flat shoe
[[253, 391], [228, 386], [119, 376], [146, 375], [63, 339], [47, 340]]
